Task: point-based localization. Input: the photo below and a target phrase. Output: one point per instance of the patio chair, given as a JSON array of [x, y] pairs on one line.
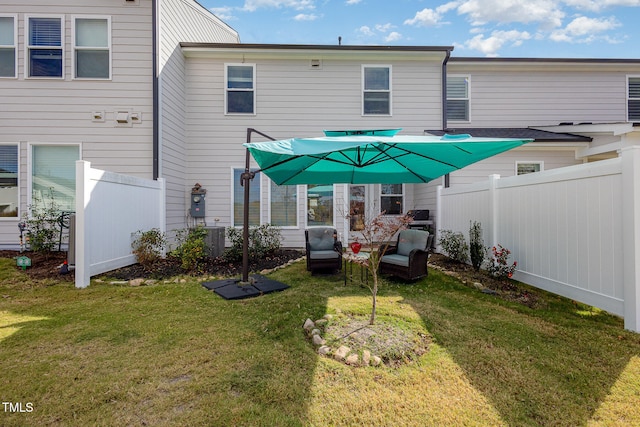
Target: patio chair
[[408, 258], [324, 250]]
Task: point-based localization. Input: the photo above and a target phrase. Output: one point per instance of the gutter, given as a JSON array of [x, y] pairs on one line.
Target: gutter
[[156, 105]]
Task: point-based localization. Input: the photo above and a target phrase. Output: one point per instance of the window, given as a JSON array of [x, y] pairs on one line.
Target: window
[[238, 199], [320, 204], [458, 98], [240, 90], [8, 49], [9, 198], [44, 48], [91, 44], [633, 100], [357, 205], [53, 175], [376, 85], [284, 205], [391, 199], [523, 168]]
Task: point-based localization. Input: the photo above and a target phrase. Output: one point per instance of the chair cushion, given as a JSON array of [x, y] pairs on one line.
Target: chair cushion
[[331, 254], [395, 259], [321, 238], [409, 240]]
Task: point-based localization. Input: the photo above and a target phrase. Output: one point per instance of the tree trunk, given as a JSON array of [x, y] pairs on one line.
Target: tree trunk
[[374, 293]]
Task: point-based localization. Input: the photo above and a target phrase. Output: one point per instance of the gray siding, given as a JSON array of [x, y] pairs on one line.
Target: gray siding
[[181, 21]]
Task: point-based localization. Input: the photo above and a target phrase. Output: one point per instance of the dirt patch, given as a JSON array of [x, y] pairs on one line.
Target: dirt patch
[[44, 265]]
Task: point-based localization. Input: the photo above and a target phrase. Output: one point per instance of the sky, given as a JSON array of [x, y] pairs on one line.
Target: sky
[[477, 28]]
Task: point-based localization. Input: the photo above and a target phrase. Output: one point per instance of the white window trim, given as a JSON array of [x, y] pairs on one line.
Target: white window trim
[[468, 98], [390, 91], [528, 162], [404, 199], [14, 46], [30, 162], [75, 48], [226, 89], [626, 104], [285, 227], [15, 218], [27, 18]]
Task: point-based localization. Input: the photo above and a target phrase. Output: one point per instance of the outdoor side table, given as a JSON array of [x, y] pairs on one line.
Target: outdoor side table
[[350, 259]]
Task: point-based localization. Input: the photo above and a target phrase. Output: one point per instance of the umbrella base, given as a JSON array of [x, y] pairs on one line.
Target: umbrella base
[[233, 289]]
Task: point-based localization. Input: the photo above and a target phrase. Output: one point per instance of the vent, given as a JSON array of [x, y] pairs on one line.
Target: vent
[[315, 64]]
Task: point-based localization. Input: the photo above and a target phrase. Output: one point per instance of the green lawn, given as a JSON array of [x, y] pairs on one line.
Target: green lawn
[[177, 354]]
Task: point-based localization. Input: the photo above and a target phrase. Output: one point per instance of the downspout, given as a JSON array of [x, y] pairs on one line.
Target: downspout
[[156, 86], [444, 103]]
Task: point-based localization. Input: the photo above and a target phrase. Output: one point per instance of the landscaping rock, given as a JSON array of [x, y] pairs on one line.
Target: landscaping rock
[[352, 360], [308, 325], [376, 361], [316, 332], [321, 322], [318, 341], [324, 350], [136, 282], [341, 353], [328, 316], [366, 357]]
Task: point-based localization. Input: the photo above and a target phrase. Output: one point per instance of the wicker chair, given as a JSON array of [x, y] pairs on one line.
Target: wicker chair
[[324, 250], [408, 258]]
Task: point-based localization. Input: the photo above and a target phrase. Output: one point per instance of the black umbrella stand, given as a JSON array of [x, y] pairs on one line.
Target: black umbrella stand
[[246, 287]]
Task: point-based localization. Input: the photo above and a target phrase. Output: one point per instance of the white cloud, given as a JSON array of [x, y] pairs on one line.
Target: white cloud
[[224, 13], [598, 5], [366, 31], [490, 45], [425, 18], [383, 28], [305, 17], [583, 29], [353, 1], [252, 5], [547, 13], [393, 37]]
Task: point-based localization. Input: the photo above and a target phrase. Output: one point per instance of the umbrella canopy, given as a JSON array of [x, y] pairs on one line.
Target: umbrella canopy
[[372, 159]]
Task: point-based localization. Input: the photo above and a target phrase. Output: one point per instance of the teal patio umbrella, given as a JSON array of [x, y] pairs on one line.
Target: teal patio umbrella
[[377, 156], [372, 159]]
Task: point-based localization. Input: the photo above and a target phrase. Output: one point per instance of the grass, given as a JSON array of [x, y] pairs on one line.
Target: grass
[[176, 354]]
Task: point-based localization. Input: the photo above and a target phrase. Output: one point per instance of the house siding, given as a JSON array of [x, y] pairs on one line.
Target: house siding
[[44, 111], [294, 100], [180, 21]]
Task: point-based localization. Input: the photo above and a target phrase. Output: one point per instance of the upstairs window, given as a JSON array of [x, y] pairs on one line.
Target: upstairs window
[[633, 99], [44, 47], [92, 48], [376, 88], [240, 93], [8, 49], [458, 98]]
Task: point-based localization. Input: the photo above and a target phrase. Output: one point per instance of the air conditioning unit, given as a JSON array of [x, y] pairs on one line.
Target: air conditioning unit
[[214, 241], [71, 252]]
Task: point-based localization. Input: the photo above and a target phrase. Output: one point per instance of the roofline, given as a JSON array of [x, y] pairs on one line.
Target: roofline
[[336, 47], [547, 60]]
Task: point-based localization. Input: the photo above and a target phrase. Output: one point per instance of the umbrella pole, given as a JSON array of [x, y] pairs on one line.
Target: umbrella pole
[[245, 181]]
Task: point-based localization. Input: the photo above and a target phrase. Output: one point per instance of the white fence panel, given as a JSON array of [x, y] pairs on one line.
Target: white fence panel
[[567, 228], [110, 208]]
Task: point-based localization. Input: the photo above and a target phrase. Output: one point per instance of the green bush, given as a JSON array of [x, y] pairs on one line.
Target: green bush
[[191, 250], [41, 224], [477, 250], [454, 245], [148, 246], [263, 240]]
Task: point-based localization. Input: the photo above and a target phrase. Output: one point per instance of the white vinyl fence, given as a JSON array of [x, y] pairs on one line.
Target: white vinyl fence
[[110, 208], [574, 231]]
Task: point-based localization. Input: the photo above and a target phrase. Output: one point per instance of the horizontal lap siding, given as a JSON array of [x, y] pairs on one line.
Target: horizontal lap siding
[[292, 101], [182, 21], [60, 111]]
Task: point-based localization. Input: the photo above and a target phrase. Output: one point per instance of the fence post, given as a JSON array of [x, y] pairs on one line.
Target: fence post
[[631, 236], [438, 225], [493, 209], [82, 200]]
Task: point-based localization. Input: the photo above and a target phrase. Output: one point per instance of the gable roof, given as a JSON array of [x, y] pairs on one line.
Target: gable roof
[[518, 133]]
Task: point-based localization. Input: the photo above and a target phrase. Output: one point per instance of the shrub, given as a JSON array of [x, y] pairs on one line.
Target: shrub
[[191, 249], [148, 246], [263, 240], [41, 224], [454, 245], [499, 264], [477, 250]]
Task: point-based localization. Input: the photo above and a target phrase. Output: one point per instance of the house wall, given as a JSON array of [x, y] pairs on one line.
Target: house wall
[[293, 100], [46, 111], [180, 21]]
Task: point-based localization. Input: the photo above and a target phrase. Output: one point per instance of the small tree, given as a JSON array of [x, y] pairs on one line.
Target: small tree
[[455, 246], [148, 246], [477, 250], [381, 228]]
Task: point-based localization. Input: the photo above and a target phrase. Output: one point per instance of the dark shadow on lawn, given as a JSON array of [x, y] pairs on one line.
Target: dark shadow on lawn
[[545, 366]]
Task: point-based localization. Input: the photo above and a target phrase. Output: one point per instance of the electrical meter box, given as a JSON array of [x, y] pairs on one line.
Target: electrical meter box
[[197, 201]]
